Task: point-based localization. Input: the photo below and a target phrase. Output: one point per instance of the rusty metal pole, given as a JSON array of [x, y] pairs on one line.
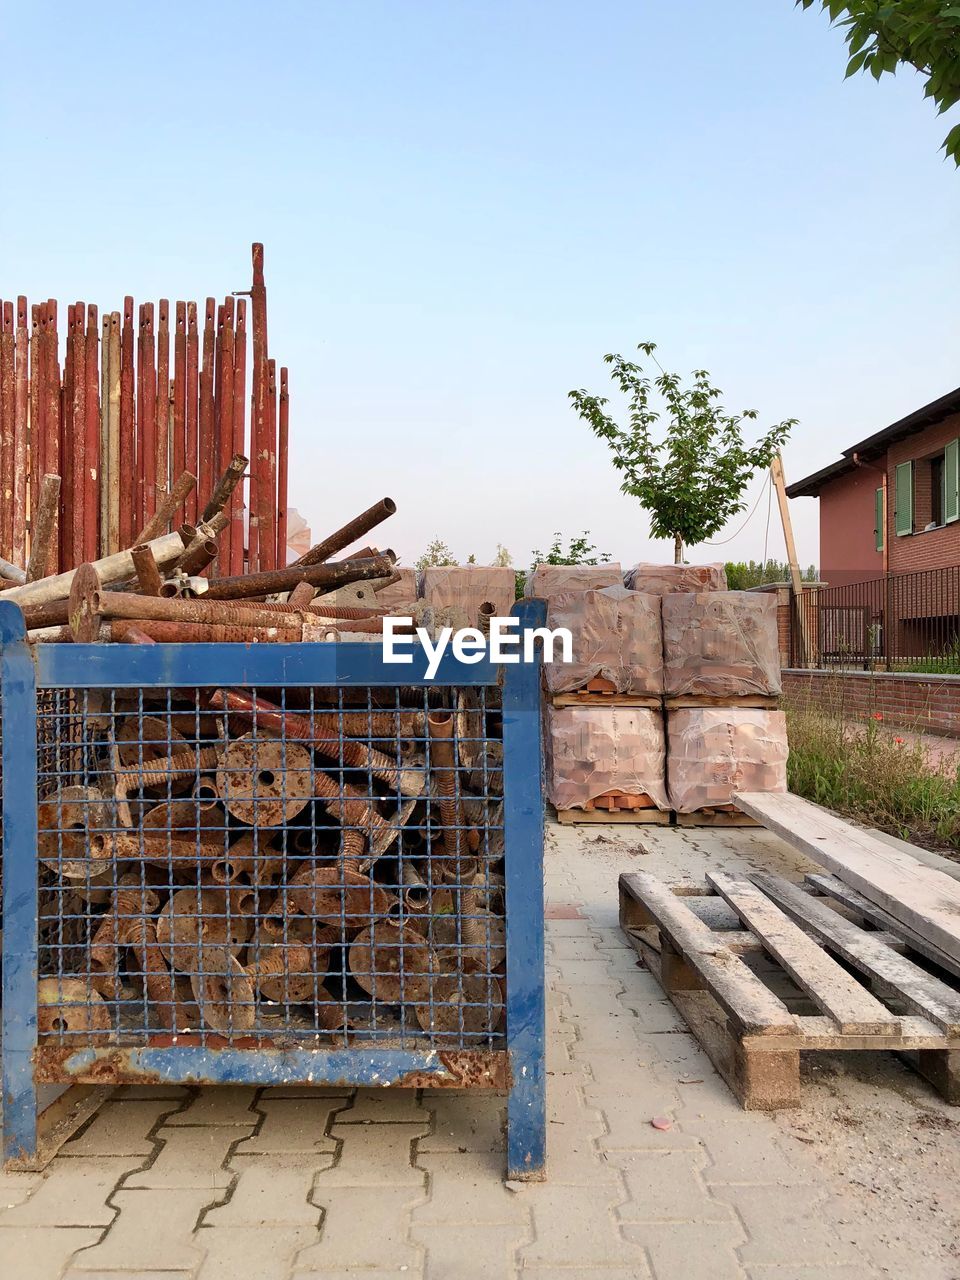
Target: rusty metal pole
[[36, 421], [104, 446], [226, 411], [149, 415], [127, 520], [350, 532], [111, 541], [43, 531], [268, 529], [91, 475], [318, 575], [161, 478], [258, 305], [76, 442], [20, 422], [6, 428], [168, 507], [178, 450], [52, 419], [238, 537], [283, 446], [148, 575], [138, 503], [207, 461], [192, 407]]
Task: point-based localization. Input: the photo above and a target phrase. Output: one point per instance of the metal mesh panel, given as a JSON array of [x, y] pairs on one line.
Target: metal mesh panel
[[300, 867]]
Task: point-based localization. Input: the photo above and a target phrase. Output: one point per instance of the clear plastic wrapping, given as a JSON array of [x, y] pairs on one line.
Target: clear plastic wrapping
[[469, 586], [616, 635], [403, 592], [545, 581], [714, 752], [593, 750], [664, 579], [720, 643]]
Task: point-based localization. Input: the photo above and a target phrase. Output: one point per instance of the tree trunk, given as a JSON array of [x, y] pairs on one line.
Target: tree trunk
[[677, 549]]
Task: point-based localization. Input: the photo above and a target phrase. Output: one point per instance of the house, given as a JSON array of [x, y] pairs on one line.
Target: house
[[890, 509]]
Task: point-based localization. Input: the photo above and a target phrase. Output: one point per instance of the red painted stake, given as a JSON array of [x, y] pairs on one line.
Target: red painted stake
[[149, 415], [268, 527], [239, 435], [179, 391], [91, 473], [226, 418], [128, 443], [138, 502], [206, 458], [6, 428], [283, 442], [36, 418], [67, 451], [20, 469], [162, 480], [76, 442], [192, 410], [258, 301]]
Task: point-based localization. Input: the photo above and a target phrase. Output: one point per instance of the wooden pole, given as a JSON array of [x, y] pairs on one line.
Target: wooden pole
[[796, 582]]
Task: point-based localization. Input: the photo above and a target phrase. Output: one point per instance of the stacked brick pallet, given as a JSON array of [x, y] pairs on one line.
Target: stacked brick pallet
[[670, 704]]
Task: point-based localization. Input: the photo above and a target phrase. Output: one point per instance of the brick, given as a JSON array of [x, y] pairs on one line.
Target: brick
[[463, 1122], [122, 1128], [785, 1227], [272, 1190], [152, 1233], [385, 1106], [666, 1186], [219, 1105], [682, 1250], [576, 1230], [373, 1156], [73, 1194], [190, 1158], [267, 1252], [293, 1124], [470, 1252], [350, 1241], [38, 1253]]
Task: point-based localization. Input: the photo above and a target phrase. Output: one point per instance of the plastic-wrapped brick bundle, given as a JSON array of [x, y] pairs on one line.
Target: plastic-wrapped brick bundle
[[593, 750], [714, 752], [616, 635], [400, 593], [720, 644], [665, 579], [548, 580], [468, 587]]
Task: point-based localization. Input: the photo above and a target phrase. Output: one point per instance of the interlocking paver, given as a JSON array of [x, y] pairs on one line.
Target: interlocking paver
[[271, 1190], [40, 1253], [73, 1194], [467, 1189], [471, 1252], [121, 1128], [127, 1275], [153, 1232], [373, 1156], [578, 1229], [189, 1158], [293, 1124], [385, 1106], [785, 1229], [226, 1105], [260, 1252], [748, 1152], [15, 1188], [463, 1121], [666, 1186], [363, 1227], [692, 1250]]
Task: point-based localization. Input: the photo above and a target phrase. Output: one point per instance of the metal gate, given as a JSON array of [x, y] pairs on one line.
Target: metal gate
[[271, 864]]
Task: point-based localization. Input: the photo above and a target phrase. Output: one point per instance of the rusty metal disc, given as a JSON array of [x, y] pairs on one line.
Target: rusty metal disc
[[170, 836], [264, 782], [389, 962], [194, 915], [286, 975], [224, 992], [153, 736], [74, 833], [72, 1012], [461, 1007], [340, 898]]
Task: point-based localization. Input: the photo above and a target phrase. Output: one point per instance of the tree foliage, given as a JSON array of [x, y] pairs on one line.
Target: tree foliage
[[437, 554], [743, 574], [693, 480], [580, 550], [924, 34]]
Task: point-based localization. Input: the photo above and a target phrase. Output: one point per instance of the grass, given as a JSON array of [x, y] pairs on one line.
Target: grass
[[867, 771]]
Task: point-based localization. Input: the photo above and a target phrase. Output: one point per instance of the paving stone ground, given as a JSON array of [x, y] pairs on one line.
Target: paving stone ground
[[300, 1184]]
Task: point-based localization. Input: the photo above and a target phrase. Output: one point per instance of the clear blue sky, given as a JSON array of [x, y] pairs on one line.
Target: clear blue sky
[[465, 205]]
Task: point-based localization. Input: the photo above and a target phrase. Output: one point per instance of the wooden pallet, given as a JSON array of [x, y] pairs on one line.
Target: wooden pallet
[[750, 965], [720, 815], [768, 702], [616, 806], [608, 697]]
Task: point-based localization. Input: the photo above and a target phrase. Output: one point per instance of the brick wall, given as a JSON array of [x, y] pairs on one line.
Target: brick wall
[[936, 548], [927, 704]]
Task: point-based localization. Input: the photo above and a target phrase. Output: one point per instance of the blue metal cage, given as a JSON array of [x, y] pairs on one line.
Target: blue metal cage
[[265, 864]]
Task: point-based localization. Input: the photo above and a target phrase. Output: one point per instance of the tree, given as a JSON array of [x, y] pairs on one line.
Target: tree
[[579, 551], [503, 559], [742, 575], [692, 482], [436, 554], [923, 34]]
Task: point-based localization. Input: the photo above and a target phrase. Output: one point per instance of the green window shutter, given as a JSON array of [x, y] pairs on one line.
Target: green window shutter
[[878, 529], [951, 482], [903, 512]]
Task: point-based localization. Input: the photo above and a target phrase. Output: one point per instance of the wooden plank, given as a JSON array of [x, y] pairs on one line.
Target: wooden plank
[[920, 991], [638, 817], [676, 702], [747, 1001], [832, 989], [831, 887], [916, 895], [821, 1033], [716, 818], [584, 699]]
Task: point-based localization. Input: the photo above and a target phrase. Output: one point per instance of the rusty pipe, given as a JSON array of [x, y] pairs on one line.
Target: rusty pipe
[[116, 604], [442, 754], [301, 595], [351, 532], [110, 569], [225, 487], [43, 529], [206, 633], [168, 507], [148, 575], [200, 553], [318, 575]]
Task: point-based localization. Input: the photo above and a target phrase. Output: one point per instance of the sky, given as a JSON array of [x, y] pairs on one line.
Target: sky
[[464, 206]]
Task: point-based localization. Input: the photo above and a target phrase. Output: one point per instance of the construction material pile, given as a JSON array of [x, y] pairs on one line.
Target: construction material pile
[[670, 701]]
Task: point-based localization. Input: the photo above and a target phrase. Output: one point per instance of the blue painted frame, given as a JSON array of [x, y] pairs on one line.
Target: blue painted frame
[[24, 669]]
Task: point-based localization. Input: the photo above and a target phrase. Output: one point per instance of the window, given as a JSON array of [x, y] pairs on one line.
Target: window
[[937, 493], [903, 494], [878, 519]]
